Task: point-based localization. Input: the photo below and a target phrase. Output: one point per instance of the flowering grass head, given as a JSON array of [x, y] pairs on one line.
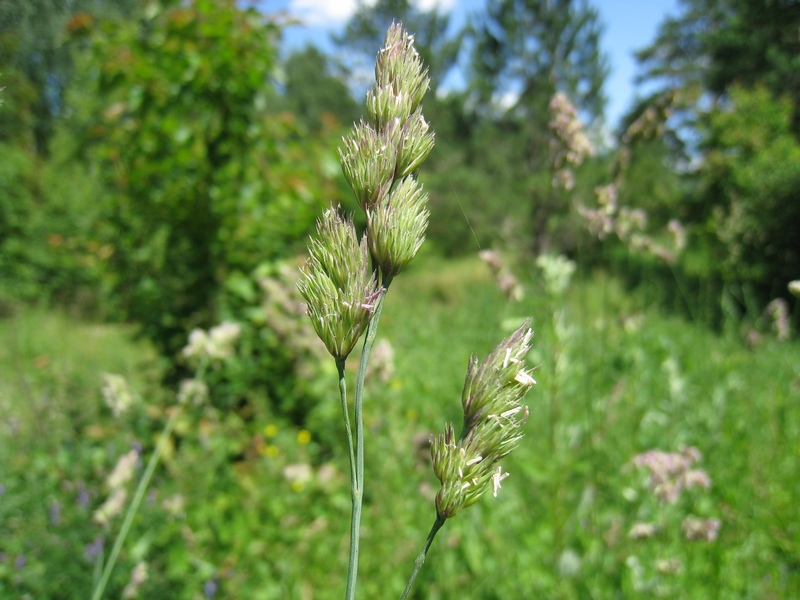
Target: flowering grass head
[[369, 161], [557, 271], [380, 155], [117, 394], [397, 227], [338, 284], [415, 141], [215, 344], [400, 79], [493, 419]]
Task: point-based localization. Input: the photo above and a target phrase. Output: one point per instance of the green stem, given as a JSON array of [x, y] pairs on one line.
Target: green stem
[[354, 481], [144, 483], [134, 506], [357, 485], [437, 525], [340, 363]]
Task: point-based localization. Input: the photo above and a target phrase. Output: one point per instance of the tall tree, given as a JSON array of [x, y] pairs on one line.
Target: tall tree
[[750, 183], [524, 52], [733, 67], [311, 91], [758, 42], [529, 49], [204, 179], [713, 44], [32, 47]]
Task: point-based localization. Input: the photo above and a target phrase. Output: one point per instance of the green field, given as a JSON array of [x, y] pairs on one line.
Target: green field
[[248, 505]]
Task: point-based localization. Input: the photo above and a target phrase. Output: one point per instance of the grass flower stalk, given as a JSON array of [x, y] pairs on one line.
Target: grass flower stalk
[[355, 479], [357, 474], [437, 525], [493, 418], [346, 278]]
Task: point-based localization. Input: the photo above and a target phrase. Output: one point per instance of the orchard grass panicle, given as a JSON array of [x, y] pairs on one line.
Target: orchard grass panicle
[[346, 278], [117, 394], [398, 227], [400, 79], [368, 163], [338, 284], [493, 418]]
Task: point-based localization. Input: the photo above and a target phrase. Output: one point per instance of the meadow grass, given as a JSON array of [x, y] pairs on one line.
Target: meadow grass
[[52, 427], [615, 378]]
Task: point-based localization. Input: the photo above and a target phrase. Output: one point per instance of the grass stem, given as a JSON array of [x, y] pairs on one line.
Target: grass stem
[[437, 525], [357, 484], [134, 505]]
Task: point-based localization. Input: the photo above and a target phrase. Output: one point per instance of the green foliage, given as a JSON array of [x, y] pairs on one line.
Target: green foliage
[[524, 53], [174, 184], [32, 45], [258, 507], [48, 252], [203, 178], [532, 49], [15, 173], [50, 369], [751, 178], [174, 180], [728, 118], [313, 94], [614, 381], [714, 45], [756, 43]]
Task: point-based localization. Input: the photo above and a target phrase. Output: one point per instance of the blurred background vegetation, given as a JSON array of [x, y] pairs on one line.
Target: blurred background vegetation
[[161, 167]]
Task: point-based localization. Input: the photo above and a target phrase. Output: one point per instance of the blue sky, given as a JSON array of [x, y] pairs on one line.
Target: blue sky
[[629, 25]]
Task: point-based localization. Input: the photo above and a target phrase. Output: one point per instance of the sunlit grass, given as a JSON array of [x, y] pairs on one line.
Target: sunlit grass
[[51, 368], [622, 377]]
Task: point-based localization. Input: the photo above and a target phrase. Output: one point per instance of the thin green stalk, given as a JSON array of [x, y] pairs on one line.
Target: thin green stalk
[[354, 481], [134, 505], [144, 483], [340, 364], [357, 485], [437, 525]]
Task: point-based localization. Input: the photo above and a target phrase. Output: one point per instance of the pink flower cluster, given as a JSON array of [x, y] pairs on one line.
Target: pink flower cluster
[[505, 280], [671, 473]]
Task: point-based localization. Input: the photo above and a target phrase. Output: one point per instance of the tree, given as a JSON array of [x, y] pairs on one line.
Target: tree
[[205, 179], [44, 255], [32, 46], [311, 92], [732, 68], [524, 52], [757, 42], [527, 50], [714, 44], [750, 181]]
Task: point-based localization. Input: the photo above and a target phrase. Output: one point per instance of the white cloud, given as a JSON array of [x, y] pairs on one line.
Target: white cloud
[[323, 12], [331, 13]]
